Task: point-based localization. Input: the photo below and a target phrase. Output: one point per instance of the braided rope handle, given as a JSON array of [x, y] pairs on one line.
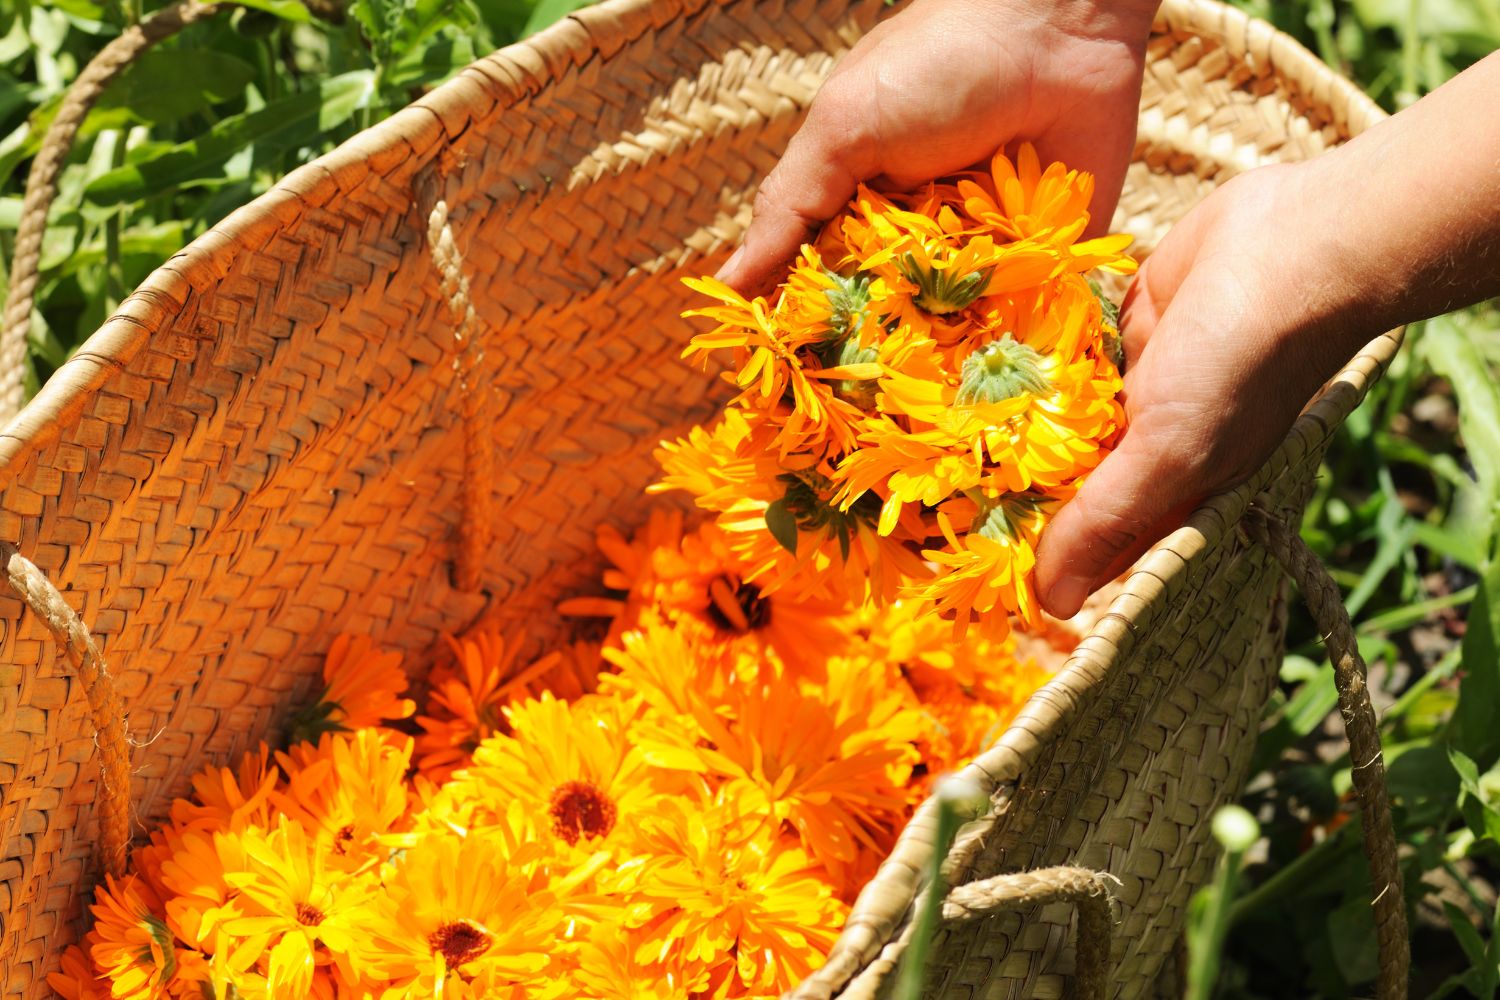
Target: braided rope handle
[[1361, 728], [1088, 890], [41, 183], [77, 645], [474, 528]]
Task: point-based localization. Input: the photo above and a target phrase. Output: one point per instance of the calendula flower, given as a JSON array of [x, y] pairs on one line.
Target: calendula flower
[[716, 887], [986, 573], [829, 759], [347, 792], [1022, 201], [781, 373], [198, 899], [467, 698], [76, 978], [459, 905], [610, 968], [225, 799], [131, 944], [574, 769], [363, 688], [308, 913]]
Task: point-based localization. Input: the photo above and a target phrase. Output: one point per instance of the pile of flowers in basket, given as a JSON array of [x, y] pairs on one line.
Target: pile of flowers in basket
[[686, 804]]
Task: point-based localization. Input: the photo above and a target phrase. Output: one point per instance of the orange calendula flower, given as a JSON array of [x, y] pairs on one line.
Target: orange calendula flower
[[363, 688], [468, 697], [987, 572], [130, 941], [347, 792], [225, 799], [76, 979]]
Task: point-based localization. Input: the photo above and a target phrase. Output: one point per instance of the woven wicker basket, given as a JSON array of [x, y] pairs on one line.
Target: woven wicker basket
[[298, 427]]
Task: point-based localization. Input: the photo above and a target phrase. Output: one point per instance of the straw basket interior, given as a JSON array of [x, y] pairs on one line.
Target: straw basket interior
[[263, 448]]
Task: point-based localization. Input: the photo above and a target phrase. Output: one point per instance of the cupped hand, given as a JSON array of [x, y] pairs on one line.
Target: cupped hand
[[941, 86], [1230, 328]]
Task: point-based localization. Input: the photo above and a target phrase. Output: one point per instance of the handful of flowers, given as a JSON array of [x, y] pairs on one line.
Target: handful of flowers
[[933, 376]]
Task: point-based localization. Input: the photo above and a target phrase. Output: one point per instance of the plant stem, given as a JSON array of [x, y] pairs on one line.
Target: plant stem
[[114, 269], [914, 962]]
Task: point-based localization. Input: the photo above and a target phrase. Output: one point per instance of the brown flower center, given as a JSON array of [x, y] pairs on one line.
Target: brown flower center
[[737, 607], [309, 915], [343, 839], [580, 809], [459, 941]]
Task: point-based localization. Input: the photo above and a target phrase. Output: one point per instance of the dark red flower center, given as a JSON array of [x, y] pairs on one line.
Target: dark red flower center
[[459, 941], [580, 809], [309, 915]]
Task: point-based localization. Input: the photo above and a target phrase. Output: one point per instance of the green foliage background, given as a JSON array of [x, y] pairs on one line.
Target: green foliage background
[[1405, 510]]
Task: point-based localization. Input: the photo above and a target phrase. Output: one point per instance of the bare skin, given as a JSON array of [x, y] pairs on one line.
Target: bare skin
[[1251, 302]]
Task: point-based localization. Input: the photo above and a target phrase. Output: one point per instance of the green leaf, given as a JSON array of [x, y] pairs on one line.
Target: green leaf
[[1457, 350], [162, 86], [1476, 722], [288, 10], [547, 12], [1474, 800], [1468, 938], [782, 524], [1422, 781], [279, 125], [1351, 934]]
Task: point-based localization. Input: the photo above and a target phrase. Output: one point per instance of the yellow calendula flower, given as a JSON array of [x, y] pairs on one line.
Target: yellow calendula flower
[[717, 887], [308, 913], [459, 906], [579, 777]]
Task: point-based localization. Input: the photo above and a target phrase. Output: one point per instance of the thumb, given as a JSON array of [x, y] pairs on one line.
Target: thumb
[[816, 176], [1139, 493]]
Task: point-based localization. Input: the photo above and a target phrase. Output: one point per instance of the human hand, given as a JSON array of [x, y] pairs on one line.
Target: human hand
[[942, 85], [1230, 327]]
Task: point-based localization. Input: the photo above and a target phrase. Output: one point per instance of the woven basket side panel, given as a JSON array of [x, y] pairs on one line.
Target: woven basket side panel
[[279, 459], [1130, 791], [1126, 789]]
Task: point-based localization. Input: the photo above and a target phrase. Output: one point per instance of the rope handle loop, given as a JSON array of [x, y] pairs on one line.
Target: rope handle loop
[[478, 463], [105, 711], [1362, 729], [41, 182], [1087, 889]]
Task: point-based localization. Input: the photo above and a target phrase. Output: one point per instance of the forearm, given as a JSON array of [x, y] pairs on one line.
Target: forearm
[[1407, 215]]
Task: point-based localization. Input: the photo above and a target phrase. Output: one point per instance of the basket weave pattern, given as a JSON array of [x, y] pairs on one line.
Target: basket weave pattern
[[262, 449]]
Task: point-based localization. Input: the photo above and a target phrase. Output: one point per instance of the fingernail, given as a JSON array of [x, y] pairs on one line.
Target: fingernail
[[1067, 596], [730, 264]]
